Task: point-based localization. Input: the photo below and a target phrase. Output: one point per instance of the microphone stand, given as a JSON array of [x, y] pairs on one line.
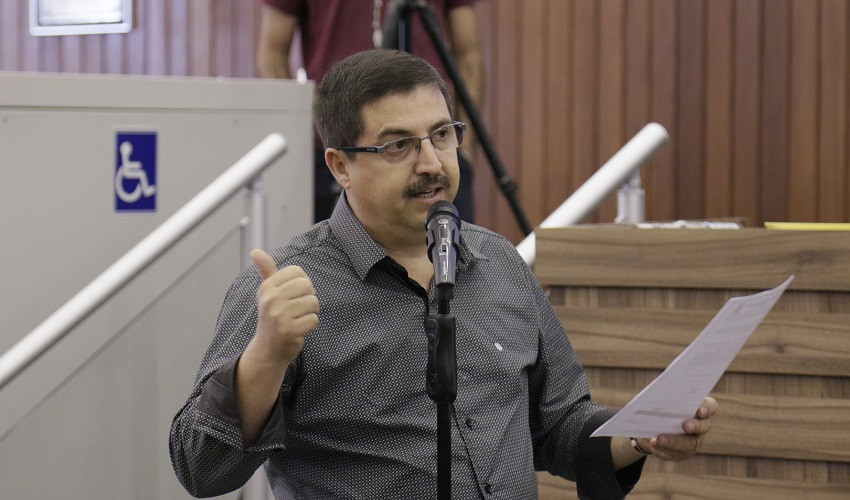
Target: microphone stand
[[404, 37], [441, 382]]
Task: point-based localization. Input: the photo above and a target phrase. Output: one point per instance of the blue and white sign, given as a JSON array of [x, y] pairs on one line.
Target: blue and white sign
[[135, 172]]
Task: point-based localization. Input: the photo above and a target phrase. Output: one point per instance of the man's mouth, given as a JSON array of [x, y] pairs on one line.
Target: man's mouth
[[428, 187], [428, 194]]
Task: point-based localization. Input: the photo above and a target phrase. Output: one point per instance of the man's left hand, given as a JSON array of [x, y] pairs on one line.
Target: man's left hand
[[676, 447]]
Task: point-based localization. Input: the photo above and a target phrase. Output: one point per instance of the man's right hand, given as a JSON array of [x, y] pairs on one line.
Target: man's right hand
[[287, 308]]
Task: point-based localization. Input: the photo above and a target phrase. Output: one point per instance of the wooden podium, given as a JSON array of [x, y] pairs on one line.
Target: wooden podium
[[632, 299]]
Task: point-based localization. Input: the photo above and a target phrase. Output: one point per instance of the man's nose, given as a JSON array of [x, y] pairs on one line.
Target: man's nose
[[427, 156]]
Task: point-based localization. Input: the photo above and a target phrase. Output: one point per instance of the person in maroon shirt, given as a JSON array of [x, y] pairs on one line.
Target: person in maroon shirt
[[331, 30]]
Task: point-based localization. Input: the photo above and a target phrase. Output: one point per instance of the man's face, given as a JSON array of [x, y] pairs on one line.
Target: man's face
[[390, 197]]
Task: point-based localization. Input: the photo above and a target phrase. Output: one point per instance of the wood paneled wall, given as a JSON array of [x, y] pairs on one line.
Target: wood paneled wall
[[632, 299], [169, 37], [754, 94]]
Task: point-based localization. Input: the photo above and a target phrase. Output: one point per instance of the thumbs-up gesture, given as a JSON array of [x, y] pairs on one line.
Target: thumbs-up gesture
[[287, 308]]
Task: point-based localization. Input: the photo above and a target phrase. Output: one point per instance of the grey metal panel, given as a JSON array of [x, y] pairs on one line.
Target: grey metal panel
[[59, 231]]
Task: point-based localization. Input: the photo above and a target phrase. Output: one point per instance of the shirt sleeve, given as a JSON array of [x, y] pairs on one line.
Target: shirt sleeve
[[205, 442], [563, 416], [595, 474]]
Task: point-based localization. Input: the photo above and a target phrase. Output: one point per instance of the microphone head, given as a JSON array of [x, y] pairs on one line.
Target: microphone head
[[446, 208], [442, 237]]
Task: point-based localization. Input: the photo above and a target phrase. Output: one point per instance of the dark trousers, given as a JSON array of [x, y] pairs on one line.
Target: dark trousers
[[327, 190]]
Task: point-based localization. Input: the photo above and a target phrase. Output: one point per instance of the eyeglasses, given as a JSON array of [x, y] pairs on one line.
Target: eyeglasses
[[445, 138]]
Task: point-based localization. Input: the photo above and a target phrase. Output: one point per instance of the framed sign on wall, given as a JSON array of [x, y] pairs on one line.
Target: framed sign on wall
[[80, 17]]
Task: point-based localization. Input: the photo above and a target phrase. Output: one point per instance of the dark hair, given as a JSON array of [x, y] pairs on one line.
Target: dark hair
[[362, 79]]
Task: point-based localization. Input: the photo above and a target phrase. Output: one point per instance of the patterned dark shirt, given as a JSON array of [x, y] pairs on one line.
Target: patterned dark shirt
[[353, 419]]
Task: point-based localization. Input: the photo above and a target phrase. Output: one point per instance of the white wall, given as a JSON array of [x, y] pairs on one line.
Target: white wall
[[104, 433]]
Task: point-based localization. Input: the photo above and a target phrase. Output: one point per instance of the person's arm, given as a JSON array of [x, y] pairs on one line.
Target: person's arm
[[277, 29], [234, 417], [287, 310], [467, 53]]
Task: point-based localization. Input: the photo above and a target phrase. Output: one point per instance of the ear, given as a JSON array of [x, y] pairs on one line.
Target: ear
[[338, 163]]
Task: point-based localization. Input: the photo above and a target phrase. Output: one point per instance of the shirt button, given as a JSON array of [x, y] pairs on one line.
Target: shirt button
[[488, 488], [469, 423]]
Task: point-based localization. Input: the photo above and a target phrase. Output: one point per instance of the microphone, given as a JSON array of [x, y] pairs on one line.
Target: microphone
[[442, 234]]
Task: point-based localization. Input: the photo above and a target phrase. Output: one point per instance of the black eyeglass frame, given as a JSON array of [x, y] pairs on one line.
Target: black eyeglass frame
[[459, 127]]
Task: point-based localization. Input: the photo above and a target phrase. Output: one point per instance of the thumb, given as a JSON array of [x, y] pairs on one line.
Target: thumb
[[265, 264]]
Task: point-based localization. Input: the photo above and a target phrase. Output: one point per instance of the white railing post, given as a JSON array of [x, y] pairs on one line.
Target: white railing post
[[631, 201], [610, 175]]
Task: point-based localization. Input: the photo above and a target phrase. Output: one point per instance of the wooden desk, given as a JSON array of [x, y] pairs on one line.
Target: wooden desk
[[632, 299]]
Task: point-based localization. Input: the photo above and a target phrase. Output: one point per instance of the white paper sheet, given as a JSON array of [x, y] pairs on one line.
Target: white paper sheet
[[675, 395]]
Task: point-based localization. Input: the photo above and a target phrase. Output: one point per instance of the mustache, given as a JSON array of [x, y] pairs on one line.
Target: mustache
[[426, 182]]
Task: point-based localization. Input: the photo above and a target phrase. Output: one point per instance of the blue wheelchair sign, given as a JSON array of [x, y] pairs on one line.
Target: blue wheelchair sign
[[135, 172]]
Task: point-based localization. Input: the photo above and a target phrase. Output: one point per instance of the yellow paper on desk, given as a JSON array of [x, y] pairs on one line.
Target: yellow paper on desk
[[809, 226]]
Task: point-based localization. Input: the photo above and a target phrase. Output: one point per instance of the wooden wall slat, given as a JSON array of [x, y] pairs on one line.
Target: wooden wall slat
[[178, 41], [136, 42], [690, 203], [484, 184], [783, 385], [763, 258], [115, 60], [833, 104], [156, 57], [811, 428], [640, 58], [804, 117], [93, 57], [654, 485], [71, 53], [632, 337], [776, 78], [559, 110], [246, 30], [221, 37], [49, 52], [9, 37], [759, 384], [29, 52], [718, 112], [507, 95], [532, 174], [661, 176], [200, 38], [585, 87], [746, 183], [612, 84], [691, 298]]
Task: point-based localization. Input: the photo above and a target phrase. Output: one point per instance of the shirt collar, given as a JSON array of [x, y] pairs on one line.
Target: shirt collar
[[364, 252]]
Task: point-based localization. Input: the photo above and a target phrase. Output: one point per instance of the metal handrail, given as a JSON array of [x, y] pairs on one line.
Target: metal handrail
[[90, 298], [612, 174]]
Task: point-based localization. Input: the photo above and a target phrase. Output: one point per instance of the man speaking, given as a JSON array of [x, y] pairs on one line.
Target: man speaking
[[317, 369]]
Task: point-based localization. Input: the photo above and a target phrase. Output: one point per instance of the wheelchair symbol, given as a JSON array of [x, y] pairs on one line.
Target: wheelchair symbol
[[131, 170]]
